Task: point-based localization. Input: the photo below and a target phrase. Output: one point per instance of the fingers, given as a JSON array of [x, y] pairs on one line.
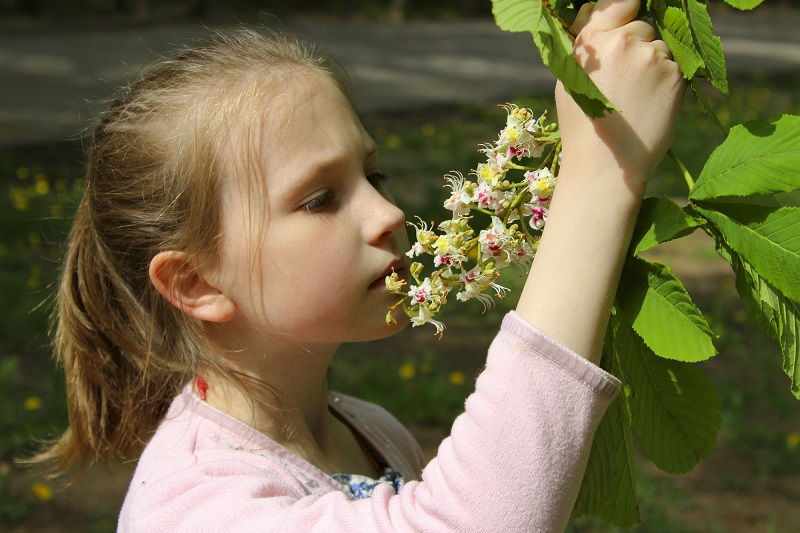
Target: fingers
[[662, 48], [582, 18], [642, 30], [611, 14]]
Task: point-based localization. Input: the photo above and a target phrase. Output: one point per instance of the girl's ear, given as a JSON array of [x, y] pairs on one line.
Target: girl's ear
[[186, 287]]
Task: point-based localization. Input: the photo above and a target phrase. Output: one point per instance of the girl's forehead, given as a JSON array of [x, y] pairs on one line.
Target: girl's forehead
[[309, 101], [310, 120]]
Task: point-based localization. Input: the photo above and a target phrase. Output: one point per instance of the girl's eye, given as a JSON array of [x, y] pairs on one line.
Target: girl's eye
[[318, 203]]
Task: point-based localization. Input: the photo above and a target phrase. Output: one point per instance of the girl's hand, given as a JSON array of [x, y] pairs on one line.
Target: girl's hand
[[637, 75]]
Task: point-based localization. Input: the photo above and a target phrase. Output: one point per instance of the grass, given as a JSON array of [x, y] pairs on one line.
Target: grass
[[427, 385]]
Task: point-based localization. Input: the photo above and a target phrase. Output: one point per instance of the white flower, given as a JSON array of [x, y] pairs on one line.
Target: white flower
[[491, 173], [446, 251], [459, 199], [487, 197], [426, 317], [475, 282], [422, 293], [493, 242], [416, 249], [541, 183], [537, 211], [425, 238], [520, 252]]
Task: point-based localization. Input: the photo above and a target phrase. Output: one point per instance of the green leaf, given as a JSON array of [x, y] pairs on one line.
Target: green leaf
[[744, 5], [675, 410], [599, 473], [597, 478], [766, 237], [517, 15], [619, 506], [555, 47], [778, 315], [673, 25], [756, 158], [708, 45], [661, 220], [660, 310]]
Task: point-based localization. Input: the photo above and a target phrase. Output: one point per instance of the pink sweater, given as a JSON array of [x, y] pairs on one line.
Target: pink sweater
[[514, 460]]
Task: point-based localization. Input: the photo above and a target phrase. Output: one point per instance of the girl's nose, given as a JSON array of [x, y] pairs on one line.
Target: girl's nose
[[384, 219]]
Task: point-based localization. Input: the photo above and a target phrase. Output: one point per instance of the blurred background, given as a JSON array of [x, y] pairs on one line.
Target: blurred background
[[428, 77]]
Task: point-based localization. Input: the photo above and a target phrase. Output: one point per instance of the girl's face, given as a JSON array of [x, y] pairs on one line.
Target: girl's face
[[309, 235]]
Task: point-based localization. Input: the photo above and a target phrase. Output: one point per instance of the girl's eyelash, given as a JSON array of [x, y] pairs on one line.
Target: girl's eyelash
[[378, 178], [318, 203]]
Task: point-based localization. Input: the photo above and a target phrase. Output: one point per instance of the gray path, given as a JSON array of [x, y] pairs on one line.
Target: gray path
[[52, 81]]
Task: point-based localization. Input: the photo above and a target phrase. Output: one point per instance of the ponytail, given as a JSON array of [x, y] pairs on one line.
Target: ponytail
[[98, 340]]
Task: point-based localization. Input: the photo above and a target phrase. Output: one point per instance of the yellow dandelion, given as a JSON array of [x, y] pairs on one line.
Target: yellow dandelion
[[428, 130], [23, 173], [57, 211], [425, 368], [793, 440], [32, 403], [61, 184], [42, 491], [392, 141], [42, 187], [19, 199], [456, 378], [407, 371]]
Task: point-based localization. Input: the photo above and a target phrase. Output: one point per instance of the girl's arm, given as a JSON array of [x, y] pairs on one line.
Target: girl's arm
[[605, 167]]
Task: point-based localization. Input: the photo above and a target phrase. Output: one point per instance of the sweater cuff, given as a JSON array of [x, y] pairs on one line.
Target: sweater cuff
[[582, 369]]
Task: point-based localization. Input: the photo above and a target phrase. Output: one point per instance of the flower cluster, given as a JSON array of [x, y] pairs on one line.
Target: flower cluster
[[470, 263]]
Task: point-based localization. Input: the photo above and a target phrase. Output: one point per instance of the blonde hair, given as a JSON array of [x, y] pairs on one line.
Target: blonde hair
[[154, 166]]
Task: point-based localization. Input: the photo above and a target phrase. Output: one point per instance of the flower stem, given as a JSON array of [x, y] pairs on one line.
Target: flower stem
[[554, 153], [686, 175], [704, 103], [528, 235], [519, 167]]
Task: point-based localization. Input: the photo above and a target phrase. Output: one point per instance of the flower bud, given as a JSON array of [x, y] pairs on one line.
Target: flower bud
[[416, 269], [394, 284]]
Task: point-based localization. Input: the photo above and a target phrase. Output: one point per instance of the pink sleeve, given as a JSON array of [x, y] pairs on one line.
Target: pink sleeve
[[513, 462]]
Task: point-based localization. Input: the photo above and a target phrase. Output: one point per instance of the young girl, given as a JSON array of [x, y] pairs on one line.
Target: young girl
[[234, 231]]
